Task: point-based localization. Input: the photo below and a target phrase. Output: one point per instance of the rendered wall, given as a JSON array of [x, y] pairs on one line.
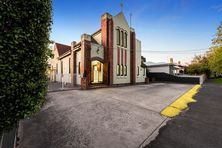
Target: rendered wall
[[141, 77], [120, 21], [65, 77], [97, 51], [97, 37], [164, 69], [78, 75]]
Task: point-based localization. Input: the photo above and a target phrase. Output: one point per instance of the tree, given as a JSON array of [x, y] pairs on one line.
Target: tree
[[215, 59], [215, 53], [199, 65], [24, 39], [212, 62]]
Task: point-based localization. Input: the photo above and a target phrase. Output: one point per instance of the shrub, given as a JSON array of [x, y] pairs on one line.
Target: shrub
[[24, 40]]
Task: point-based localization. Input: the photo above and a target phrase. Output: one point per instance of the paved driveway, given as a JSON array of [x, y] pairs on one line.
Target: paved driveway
[[100, 118], [198, 127]]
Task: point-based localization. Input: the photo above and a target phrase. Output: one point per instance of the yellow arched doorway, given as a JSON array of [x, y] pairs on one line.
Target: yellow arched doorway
[[96, 72]]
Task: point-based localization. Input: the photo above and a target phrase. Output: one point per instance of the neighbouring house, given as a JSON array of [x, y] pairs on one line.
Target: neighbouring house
[[169, 68], [60, 64], [110, 56]]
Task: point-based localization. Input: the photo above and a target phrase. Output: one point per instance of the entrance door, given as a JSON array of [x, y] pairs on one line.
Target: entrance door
[[95, 74]]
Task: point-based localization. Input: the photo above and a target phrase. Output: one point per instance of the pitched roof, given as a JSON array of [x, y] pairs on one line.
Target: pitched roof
[[152, 64], [121, 16], [62, 48], [95, 33]]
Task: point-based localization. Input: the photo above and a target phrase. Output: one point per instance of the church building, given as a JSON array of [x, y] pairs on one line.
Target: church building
[[110, 56]]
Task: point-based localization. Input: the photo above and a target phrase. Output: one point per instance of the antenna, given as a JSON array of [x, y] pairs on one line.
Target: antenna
[[131, 19]]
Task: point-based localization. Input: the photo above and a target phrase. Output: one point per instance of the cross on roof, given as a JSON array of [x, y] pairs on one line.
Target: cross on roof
[[121, 6]]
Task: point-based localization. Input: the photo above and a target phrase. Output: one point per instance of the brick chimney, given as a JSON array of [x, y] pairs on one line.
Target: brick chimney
[[179, 63]]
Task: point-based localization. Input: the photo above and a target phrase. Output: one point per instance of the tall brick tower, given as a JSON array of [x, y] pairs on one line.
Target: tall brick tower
[[133, 55], [107, 42]]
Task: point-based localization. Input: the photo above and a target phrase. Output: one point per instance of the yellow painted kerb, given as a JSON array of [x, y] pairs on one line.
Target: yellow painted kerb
[[181, 103]]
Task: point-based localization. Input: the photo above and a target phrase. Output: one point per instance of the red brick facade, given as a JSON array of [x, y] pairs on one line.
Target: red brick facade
[[133, 57], [73, 68], [85, 68], [107, 42]]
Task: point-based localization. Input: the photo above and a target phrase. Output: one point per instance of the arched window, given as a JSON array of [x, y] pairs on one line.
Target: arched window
[[118, 36], [79, 68], [61, 67], [69, 65], [122, 38], [125, 40], [121, 70], [56, 68], [125, 70], [117, 70], [138, 71]]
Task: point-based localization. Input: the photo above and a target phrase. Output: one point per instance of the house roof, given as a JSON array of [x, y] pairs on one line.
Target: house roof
[[161, 64], [62, 48], [152, 64]]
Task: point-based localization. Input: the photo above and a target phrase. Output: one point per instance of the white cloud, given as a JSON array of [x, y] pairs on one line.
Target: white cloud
[[218, 8]]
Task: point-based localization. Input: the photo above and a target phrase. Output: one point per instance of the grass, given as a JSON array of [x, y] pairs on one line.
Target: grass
[[181, 103], [218, 81]]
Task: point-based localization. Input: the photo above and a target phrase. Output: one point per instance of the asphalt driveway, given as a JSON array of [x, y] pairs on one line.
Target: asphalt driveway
[[108, 117], [198, 127]]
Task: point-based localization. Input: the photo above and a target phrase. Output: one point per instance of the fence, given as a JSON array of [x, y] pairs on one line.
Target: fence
[[8, 139], [187, 79]]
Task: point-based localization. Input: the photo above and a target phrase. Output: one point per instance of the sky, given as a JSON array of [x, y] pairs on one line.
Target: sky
[[178, 29]]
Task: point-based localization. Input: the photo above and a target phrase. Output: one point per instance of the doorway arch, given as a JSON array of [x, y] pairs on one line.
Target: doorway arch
[[96, 72]]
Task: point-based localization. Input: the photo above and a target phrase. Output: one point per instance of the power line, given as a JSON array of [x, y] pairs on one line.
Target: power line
[[167, 51]]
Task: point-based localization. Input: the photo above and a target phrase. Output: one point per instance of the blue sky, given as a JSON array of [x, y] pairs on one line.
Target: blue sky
[[161, 25]]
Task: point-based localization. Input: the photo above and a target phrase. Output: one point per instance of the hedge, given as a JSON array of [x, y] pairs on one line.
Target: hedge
[[24, 39]]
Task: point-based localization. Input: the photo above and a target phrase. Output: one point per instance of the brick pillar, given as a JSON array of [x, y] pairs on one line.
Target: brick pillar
[[107, 42], [73, 64], [85, 67], [133, 56]]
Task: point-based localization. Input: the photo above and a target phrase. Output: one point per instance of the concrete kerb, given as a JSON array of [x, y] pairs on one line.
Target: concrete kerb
[[155, 132], [177, 97]]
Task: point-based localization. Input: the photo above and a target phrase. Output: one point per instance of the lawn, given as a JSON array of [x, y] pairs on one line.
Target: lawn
[[218, 81]]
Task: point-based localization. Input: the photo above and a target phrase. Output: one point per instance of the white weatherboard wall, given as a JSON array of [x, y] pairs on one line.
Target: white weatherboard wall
[[120, 21], [140, 77], [165, 69]]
